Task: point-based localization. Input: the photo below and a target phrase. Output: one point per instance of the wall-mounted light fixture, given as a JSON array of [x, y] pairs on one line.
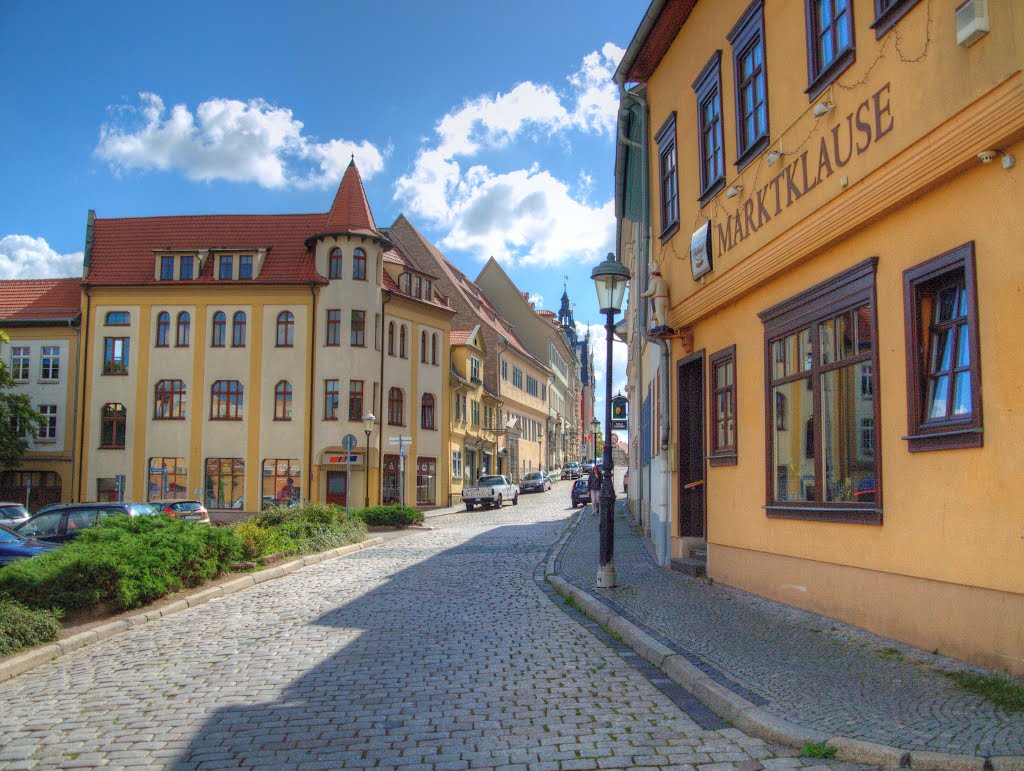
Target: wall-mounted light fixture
[[773, 157], [987, 156], [823, 108], [733, 191]]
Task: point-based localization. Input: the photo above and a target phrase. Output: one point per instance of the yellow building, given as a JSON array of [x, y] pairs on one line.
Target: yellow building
[[823, 202], [226, 358], [474, 411], [42, 319]]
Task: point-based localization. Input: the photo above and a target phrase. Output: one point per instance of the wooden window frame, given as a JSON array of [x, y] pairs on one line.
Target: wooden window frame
[[335, 264], [49, 363], [433, 349], [188, 275], [748, 33], [922, 434], [359, 265], [111, 367], [113, 420], [238, 329], [708, 86], [403, 342], [163, 330], [668, 177], [355, 399], [175, 394], [219, 330], [117, 315], [887, 14], [819, 75], [167, 268], [357, 333], [231, 412], [427, 409], [391, 338], [726, 455], [396, 407], [225, 261], [285, 324], [328, 382], [845, 291], [182, 329], [244, 261], [283, 397], [332, 331]]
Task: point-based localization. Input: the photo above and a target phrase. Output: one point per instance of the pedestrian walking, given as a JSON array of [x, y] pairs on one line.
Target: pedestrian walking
[[594, 485]]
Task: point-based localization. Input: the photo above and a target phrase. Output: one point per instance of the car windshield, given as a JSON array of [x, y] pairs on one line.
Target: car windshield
[[13, 511], [9, 536], [491, 481], [141, 510], [534, 475]]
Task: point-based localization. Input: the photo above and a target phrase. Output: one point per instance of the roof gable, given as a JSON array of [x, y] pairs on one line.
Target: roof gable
[[350, 212], [40, 300]]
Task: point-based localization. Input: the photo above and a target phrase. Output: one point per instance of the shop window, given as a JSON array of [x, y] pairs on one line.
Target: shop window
[[830, 45], [943, 365], [668, 177], [115, 355], [169, 400], [282, 481], [747, 39], [168, 479], [113, 426], [182, 331], [238, 323], [283, 400], [285, 329], [226, 397], [219, 332], [359, 265], [722, 371], [163, 329], [426, 481], [225, 483], [708, 87], [819, 348]]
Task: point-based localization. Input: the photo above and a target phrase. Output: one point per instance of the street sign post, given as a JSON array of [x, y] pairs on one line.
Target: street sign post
[[401, 441], [348, 442]]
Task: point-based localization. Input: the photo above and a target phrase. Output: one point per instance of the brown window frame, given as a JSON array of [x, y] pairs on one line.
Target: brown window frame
[[174, 394], [109, 416], [183, 330], [845, 291], [423, 347], [433, 348], [219, 330], [357, 334], [391, 338], [396, 407], [231, 411], [355, 399], [707, 87], [114, 366], [238, 325], [332, 332], [746, 35], [329, 412], [335, 263], [888, 13], [722, 455], [950, 433], [283, 392], [427, 404], [163, 330], [403, 342], [820, 75], [359, 265], [668, 177], [285, 324]]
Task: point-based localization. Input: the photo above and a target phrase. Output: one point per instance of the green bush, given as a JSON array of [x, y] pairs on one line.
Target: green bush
[[309, 528], [124, 562], [258, 541], [21, 627], [391, 516]]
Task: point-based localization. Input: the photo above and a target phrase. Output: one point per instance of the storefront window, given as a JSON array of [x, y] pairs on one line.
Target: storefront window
[[168, 479], [426, 481], [225, 483], [282, 481]]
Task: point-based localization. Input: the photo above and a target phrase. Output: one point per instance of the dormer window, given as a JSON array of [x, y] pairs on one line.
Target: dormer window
[[187, 263], [428, 293], [417, 287], [166, 268], [405, 283], [226, 267], [245, 267]]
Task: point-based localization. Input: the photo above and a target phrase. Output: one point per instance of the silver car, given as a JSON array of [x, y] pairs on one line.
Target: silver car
[[13, 514], [534, 482]]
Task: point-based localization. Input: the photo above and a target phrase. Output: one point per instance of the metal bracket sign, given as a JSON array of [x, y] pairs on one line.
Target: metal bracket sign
[[620, 412]]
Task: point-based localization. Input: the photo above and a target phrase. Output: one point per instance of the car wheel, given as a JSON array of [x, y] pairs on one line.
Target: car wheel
[[469, 507], [515, 499], [498, 503]]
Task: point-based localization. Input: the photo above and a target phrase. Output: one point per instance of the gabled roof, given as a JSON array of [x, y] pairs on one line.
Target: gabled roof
[[350, 212], [37, 301], [654, 36], [461, 336]]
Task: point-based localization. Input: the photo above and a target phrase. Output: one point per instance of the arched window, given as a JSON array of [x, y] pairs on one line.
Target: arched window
[[163, 329], [423, 347], [220, 323], [402, 352], [226, 400], [285, 329], [359, 265], [396, 407], [433, 348], [113, 422], [184, 325], [283, 400], [238, 330], [169, 401], [427, 411], [391, 338], [118, 319], [334, 263]]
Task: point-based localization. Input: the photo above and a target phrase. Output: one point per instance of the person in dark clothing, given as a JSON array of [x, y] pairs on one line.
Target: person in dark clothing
[[594, 485]]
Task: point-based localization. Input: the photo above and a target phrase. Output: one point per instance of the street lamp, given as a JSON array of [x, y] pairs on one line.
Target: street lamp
[[595, 426], [610, 278], [368, 420]]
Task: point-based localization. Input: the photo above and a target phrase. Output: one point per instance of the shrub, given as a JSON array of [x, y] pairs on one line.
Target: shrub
[[391, 516], [124, 562], [21, 627], [309, 528], [258, 541]]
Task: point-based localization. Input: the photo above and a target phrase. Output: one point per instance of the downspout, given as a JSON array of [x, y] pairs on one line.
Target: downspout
[[497, 382], [385, 298], [312, 396], [74, 414], [81, 397]]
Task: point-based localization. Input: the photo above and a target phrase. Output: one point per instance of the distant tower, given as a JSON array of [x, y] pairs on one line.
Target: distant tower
[[566, 321]]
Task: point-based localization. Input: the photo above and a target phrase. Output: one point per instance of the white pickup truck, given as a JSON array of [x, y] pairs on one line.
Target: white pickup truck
[[491, 492]]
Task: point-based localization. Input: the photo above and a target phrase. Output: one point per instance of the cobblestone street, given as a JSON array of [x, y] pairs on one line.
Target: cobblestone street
[[438, 649]]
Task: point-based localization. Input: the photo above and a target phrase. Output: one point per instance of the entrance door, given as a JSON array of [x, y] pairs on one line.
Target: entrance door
[[337, 488], [392, 480], [691, 446]]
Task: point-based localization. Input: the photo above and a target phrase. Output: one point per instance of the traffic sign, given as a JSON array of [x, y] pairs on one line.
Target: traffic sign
[[400, 440], [349, 442], [614, 438]]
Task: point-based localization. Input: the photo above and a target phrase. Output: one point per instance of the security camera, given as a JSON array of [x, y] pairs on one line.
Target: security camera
[[987, 156]]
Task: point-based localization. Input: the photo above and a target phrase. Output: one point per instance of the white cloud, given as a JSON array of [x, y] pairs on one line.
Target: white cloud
[[537, 300], [518, 215], [227, 139], [28, 257]]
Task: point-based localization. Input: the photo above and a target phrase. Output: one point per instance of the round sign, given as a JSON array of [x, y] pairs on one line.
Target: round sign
[[349, 442], [614, 438]]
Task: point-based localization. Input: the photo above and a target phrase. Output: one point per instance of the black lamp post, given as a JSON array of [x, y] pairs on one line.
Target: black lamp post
[[610, 278], [595, 426], [368, 420]]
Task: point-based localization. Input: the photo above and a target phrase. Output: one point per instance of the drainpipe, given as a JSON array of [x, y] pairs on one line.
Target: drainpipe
[[385, 298], [644, 258], [79, 494], [311, 403], [74, 413]]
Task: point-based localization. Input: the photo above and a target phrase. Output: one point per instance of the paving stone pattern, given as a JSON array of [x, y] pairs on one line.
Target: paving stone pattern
[[806, 668], [437, 650]]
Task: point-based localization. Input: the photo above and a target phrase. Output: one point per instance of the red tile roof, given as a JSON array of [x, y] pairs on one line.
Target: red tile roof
[[461, 336], [123, 250], [350, 212], [37, 300]]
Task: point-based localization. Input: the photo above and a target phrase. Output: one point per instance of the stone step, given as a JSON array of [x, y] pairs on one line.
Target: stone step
[[699, 553], [690, 567]]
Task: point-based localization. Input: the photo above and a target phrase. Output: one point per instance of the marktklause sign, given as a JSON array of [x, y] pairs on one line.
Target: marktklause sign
[[620, 412], [851, 136]]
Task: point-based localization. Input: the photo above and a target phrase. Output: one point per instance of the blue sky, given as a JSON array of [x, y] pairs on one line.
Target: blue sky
[[490, 125]]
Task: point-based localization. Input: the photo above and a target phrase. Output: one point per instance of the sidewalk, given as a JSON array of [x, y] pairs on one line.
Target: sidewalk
[[814, 673]]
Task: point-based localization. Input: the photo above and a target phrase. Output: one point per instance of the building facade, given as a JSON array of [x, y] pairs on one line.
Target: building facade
[[828, 242], [475, 411], [42, 318]]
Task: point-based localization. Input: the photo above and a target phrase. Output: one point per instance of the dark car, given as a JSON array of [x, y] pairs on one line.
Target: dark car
[[580, 492], [190, 511], [534, 482], [58, 525], [571, 471], [13, 514], [14, 546]]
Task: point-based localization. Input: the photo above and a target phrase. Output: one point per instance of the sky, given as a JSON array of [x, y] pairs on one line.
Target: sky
[[491, 126]]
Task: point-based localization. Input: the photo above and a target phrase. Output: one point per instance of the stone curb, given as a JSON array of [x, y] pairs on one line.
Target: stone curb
[[743, 714], [30, 659]]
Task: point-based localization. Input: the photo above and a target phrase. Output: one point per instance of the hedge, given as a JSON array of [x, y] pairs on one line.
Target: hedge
[[390, 516], [21, 627], [304, 529]]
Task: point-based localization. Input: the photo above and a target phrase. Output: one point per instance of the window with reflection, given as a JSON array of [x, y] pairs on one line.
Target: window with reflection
[[334, 264], [219, 329], [285, 329], [226, 397], [359, 265], [169, 400], [283, 400], [163, 329], [225, 483], [183, 328], [238, 330]]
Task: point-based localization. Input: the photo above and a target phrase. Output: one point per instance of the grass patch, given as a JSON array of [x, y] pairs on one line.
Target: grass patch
[[571, 602], [817, 750], [890, 654], [21, 627], [998, 689]]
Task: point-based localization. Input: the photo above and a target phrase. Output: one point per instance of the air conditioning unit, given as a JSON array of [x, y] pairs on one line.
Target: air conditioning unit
[[972, 22]]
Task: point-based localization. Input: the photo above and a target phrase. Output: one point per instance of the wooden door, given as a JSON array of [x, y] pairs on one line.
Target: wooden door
[[337, 488], [691, 446]]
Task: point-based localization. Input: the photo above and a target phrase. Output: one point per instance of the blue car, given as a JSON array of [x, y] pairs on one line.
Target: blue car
[[14, 546]]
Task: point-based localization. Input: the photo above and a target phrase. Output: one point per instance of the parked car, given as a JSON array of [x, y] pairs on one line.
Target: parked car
[[63, 523], [580, 492], [14, 546], [191, 511], [12, 514], [571, 471], [491, 491], [535, 482], [587, 466]]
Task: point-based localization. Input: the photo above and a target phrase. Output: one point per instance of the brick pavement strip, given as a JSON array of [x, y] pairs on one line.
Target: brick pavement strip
[[436, 650]]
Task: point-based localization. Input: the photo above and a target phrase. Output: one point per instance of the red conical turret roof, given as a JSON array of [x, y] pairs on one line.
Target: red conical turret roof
[[350, 212]]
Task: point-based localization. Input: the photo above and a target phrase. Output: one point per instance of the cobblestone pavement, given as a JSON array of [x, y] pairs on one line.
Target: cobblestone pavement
[[803, 667], [436, 650]]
